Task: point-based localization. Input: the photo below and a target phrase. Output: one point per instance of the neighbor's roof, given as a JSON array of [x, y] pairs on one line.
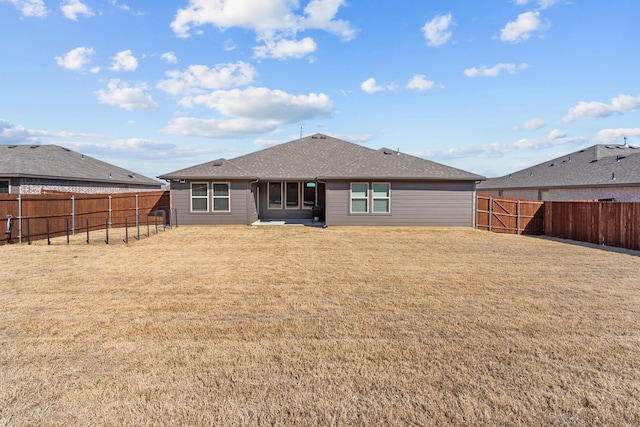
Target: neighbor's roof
[[596, 166], [55, 162], [324, 157]]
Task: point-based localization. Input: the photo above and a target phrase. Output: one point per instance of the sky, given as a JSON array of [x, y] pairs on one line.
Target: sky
[[487, 86]]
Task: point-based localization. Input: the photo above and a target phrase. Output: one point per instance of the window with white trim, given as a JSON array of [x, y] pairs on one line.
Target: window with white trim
[[292, 195], [359, 197], [275, 195], [381, 197], [199, 197], [221, 197], [4, 187]]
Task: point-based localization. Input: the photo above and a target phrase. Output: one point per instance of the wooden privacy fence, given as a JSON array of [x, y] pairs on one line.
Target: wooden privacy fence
[[39, 216], [509, 215], [603, 223]]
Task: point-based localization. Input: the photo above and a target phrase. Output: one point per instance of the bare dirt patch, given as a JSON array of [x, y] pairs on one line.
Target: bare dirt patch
[[308, 326]]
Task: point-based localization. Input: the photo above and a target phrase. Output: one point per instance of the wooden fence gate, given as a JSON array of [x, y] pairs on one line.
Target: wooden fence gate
[[509, 215]]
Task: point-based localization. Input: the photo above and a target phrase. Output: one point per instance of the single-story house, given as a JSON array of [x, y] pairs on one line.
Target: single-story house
[[600, 172], [34, 169], [324, 178]]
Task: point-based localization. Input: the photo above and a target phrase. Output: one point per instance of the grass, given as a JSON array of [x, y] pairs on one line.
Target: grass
[[307, 326]]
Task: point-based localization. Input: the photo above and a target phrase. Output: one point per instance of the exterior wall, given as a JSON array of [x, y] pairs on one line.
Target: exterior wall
[[242, 207], [37, 186], [412, 203], [618, 194]]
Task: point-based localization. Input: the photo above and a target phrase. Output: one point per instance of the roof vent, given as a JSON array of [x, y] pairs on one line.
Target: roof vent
[[34, 146], [618, 158], [552, 164], [613, 176], [593, 161], [387, 152], [12, 146], [217, 163], [531, 173]]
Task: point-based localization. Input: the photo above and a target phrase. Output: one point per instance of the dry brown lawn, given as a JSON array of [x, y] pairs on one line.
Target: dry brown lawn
[[309, 326]]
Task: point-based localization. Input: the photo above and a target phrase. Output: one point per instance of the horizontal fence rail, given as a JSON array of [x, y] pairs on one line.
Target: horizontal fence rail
[[43, 216]]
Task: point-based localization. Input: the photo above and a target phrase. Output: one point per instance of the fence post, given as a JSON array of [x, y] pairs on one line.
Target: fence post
[[19, 218], [107, 225], [28, 231], [109, 220], [87, 230], [48, 234], [518, 217], [126, 229], [137, 213], [490, 211], [73, 214]]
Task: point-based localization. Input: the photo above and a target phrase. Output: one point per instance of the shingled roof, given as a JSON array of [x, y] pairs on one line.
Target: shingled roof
[[55, 162], [323, 157], [596, 166]]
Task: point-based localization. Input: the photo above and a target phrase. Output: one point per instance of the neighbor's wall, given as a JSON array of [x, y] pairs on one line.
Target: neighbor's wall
[[412, 203], [38, 186], [619, 194], [240, 203]]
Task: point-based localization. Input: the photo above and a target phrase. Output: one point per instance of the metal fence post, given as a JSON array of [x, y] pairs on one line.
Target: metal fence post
[[490, 211], [19, 218], [73, 215]]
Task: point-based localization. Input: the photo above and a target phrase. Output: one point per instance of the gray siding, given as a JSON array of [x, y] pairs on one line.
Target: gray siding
[[412, 203], [240, 202]]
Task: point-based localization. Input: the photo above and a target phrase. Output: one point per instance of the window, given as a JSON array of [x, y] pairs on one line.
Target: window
[[292, 195], [199, 197], [309, 195], [543, 195], [381, 197], [4, 187], [221, 197], [359, 197], [275, 195]]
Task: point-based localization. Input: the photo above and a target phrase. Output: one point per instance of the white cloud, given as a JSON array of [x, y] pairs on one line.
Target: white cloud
[[284, 49], [437, 30], [229, 45], [14, 134], [498, 149], [72, 8], [218, 128], [196, 78], [595, 110], [75, 59], [266, 104], [542, 4], [120, 94], [35, 8], [419, 82], [610, 136], [522, 28], [170, 57], [250, 112], [532, 124], [495, 70], [557, 133], [275, 22], [370, 86], [124, 61]]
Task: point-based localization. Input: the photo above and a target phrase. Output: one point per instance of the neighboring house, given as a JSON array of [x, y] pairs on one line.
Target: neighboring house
[[326, 178], [600, 172], [33, 169]]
